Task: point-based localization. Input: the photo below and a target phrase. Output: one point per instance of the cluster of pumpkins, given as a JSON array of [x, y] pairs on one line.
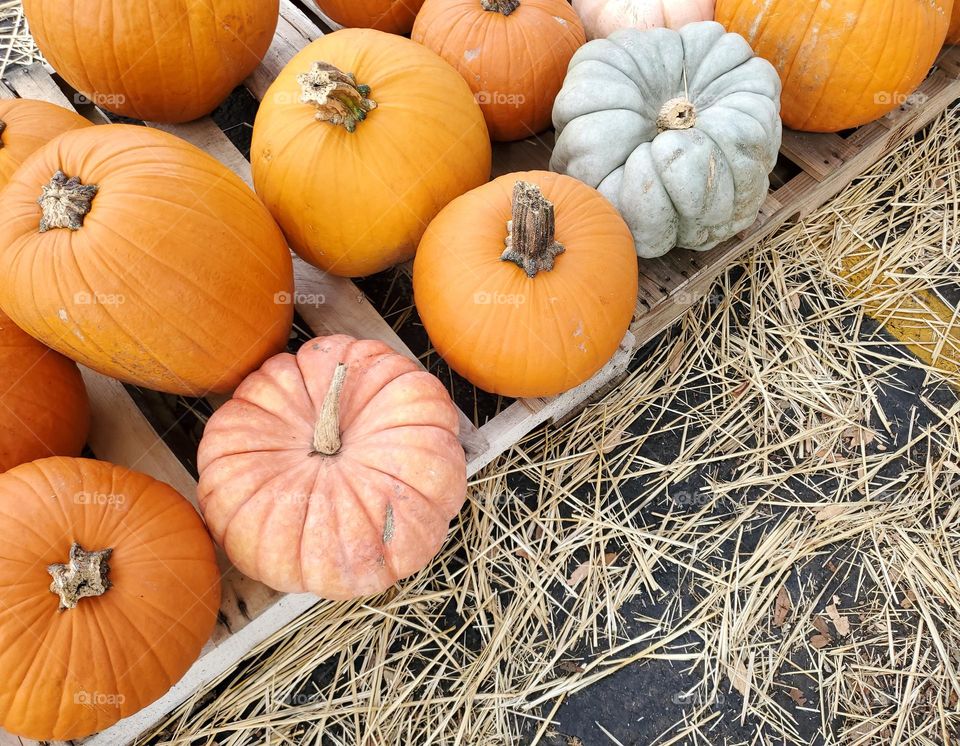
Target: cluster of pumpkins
[[337, 470]]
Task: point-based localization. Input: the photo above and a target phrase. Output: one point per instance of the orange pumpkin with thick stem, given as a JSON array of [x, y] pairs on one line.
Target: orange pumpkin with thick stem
[[843, 63], [336, 471], [547, 313], [392, 16], [163, 60], [44, 410], [109, 589], [148, 260], [27, 125], [513, 54], [359, 142]]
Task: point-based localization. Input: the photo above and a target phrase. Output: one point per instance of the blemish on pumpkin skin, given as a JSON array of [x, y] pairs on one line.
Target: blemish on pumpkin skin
[[561, 21], [62, 314], [471, 54], [388, 527]]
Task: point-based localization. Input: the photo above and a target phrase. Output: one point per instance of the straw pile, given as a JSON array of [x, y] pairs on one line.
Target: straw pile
[[16, 44]]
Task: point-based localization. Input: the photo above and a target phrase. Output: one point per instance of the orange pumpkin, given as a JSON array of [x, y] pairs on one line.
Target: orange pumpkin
[[547, 313], [26, 125], [360, 141], [953, 32], [843, 63], [44, 409], [392, 16], [148, 260], [109, 588], [163, 60], [513, 54], [336, 471]]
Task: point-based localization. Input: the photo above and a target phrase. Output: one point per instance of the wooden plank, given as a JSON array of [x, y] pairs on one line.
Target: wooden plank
[[817, 154]]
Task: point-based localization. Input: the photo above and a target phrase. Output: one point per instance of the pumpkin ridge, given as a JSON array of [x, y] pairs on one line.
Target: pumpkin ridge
[[379, 532], [417, 491], [223, 525], [201, 347]]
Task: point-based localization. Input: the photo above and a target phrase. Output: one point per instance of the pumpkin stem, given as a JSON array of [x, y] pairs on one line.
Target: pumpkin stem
[[336, 94], [530, 234], [65, 202], [506, 7], [85, 575], [677, 114], [3, 126], [326, 434]]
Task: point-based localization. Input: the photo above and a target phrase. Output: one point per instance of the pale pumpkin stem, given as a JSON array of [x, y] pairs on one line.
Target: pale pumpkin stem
[[326, 433], [3, 126], [531, 243], [65, 202], [506, 7], [677, 114], [84, 576], [338, 97]]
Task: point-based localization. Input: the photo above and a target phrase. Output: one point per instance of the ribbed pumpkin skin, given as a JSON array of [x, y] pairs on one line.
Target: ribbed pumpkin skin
[[69, 673], [345, 525], [29, 126], [505, 332], [172, 282], [392, 16], [602, 17], [357, 203], [163, 60], [843, 63], [953, 33], [514, 63], [44, 409]]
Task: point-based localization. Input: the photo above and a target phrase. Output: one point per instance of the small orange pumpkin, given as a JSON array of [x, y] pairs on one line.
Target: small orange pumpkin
[[360, 141], [163, 60], [513, 54], [109, 589], [26, 125], [336, 471], [953, 32], [148, 260], [392, 16], [843, 63], [44, 410], [547, 313]]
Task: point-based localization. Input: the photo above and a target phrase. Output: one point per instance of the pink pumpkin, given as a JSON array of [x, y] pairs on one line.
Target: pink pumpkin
[[602, 17], [336, 471]]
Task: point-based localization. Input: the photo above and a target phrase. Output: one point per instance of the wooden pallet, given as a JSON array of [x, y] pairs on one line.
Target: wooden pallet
[[251, 613]]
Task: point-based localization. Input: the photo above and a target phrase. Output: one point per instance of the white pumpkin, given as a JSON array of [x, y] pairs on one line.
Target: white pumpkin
[[602, 17], [679, 130]]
